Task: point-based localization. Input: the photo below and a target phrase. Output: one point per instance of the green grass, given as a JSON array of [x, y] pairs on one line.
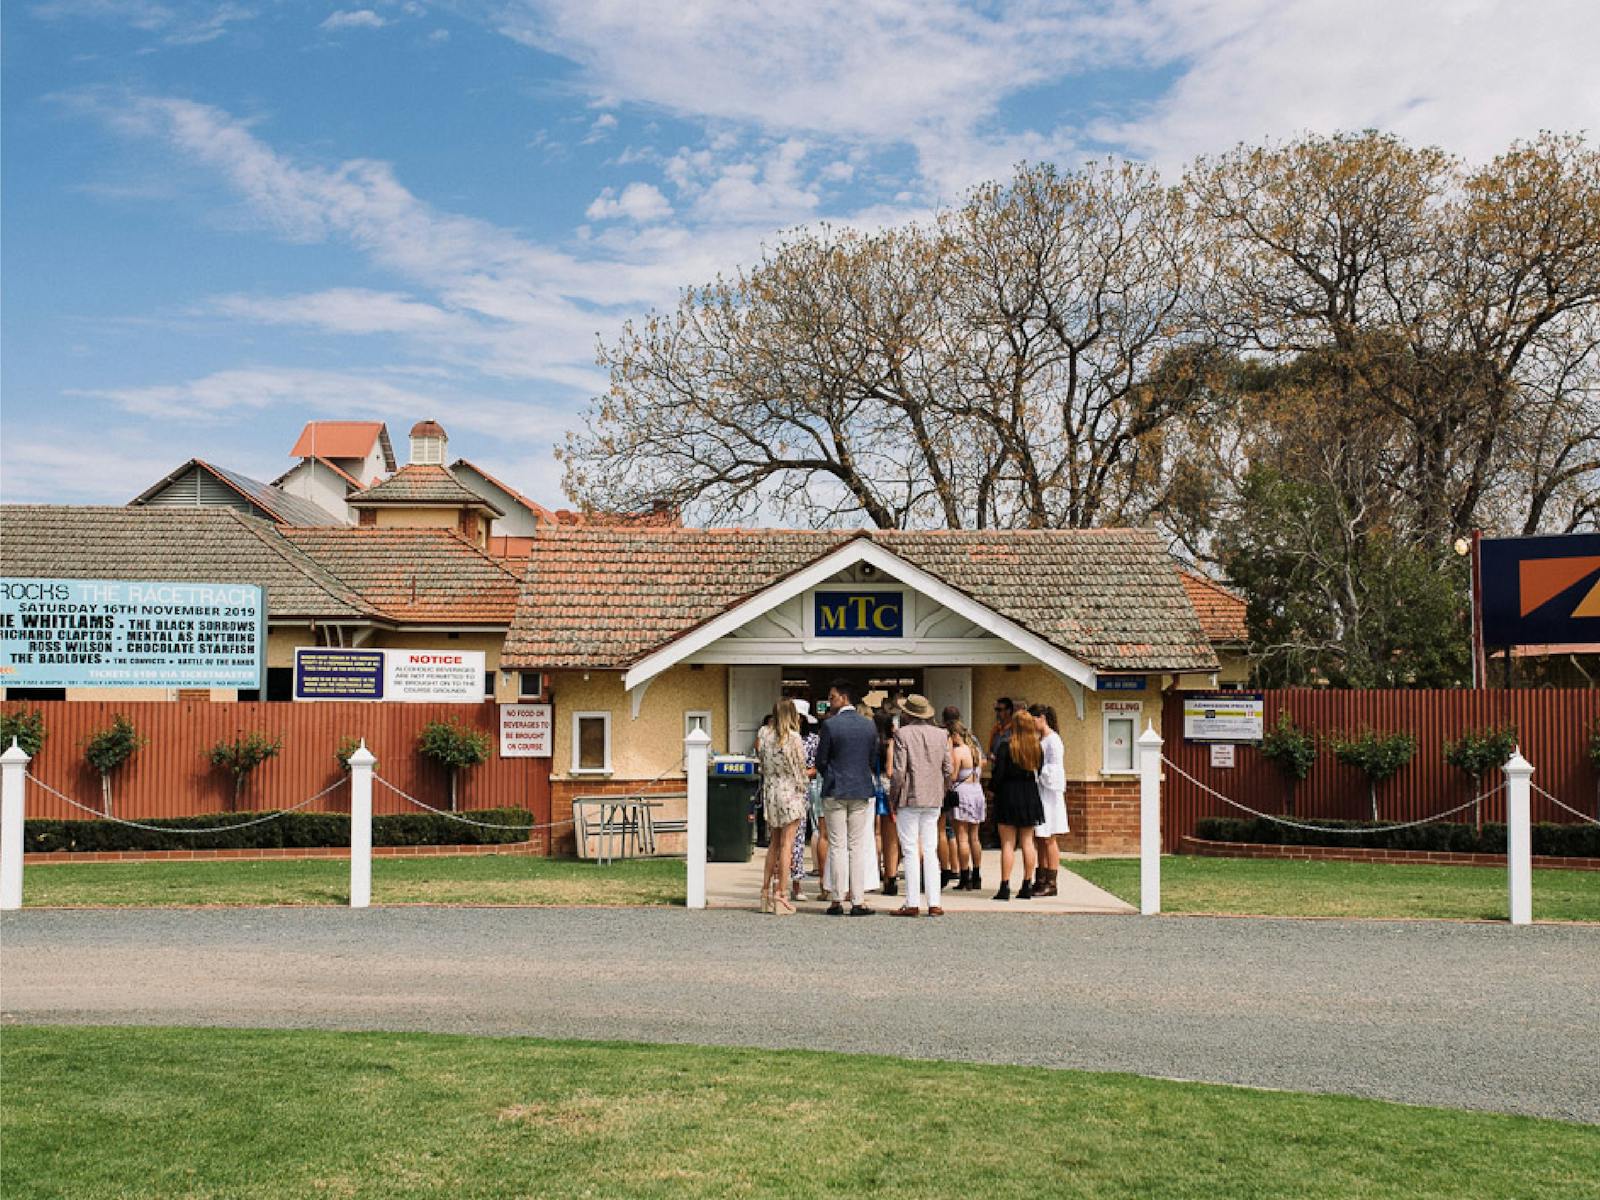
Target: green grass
[[175, 1113], [486, 879], [1336, 889]]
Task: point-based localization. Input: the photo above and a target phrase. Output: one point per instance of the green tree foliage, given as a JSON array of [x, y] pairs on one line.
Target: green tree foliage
[[1379, 756], [241, 755], [348, 745], [107, 749], [1292, 750], [26, 727], [454, 747]]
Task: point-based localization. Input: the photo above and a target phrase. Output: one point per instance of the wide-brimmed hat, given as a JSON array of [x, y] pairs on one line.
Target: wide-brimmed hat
[[918, 707], [874, 699]]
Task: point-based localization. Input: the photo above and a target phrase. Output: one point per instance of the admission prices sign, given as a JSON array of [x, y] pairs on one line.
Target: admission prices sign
[[1223, 716], [409, 676], [527, 731], [84, 633]]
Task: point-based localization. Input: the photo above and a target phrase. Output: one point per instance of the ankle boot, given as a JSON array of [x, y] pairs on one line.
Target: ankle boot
[[1025, 892], [944, 879], [1048, 886], [1005, 891], [963, 881], [976, 884]]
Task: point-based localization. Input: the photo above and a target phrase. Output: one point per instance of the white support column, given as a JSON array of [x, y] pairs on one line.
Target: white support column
[[361, 764], [1519, 838], [1149, 821], [696, 755], [14, 765]]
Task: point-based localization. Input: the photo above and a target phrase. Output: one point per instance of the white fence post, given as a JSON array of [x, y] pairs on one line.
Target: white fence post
[[14, 765], [1519, 838], [696, 753], [361, 764], [1149, 821]]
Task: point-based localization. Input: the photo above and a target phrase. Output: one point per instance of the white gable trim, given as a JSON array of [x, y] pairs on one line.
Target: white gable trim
[[856, 551]]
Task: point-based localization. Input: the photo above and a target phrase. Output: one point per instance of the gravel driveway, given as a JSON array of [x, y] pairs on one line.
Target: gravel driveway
[[1468, 1016]]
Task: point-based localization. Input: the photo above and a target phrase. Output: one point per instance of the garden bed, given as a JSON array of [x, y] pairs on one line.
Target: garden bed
[[1360, 854]]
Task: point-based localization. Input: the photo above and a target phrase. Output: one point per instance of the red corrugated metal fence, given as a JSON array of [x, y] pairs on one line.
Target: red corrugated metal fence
[[172, 775], [1553, 725]]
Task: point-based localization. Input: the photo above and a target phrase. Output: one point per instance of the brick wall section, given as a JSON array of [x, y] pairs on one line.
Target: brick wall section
[[1189, 845], [564, 839], [1102, 816]]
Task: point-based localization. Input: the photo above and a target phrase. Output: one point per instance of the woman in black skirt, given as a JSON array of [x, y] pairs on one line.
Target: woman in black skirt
[[1017, 805]]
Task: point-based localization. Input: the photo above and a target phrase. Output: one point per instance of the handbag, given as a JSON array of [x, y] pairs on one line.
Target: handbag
[[951, 799]]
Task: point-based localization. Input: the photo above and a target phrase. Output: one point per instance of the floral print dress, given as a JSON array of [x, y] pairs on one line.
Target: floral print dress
[[785, 793]]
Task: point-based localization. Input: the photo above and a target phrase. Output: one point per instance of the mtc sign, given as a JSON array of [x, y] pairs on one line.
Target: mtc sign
[[859, 614]]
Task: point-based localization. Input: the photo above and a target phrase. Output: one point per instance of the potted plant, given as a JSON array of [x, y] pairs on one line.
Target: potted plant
[[242, 755], [1379, 756], [1292, 750], [454, 747], [108, 749], [1477, 753]]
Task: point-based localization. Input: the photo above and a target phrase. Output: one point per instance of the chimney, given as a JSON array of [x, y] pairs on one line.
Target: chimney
[[428, 440]]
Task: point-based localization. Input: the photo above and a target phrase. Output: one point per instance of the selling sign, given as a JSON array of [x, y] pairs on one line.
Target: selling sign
[[1223, 716], [76, 633], [863, 614], [334, 673], [527, 731]]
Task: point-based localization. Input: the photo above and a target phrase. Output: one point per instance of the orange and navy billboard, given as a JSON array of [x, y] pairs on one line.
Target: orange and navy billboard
[[1540, 591]]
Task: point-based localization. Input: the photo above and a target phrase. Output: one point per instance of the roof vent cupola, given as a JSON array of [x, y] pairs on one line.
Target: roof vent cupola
[[428, 440]]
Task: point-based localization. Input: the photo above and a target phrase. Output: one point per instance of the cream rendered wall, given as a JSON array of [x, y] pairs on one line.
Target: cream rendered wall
[[313, 481], [645, 748], [417, 518], [1083, 740]]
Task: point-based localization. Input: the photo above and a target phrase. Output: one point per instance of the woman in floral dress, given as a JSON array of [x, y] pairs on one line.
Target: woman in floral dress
[[785, 794]]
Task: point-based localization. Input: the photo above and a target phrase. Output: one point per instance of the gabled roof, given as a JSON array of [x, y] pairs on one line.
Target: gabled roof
[[419, 484], [172, 544], [607, 597], [350, 480], [344, 439], [268, 501], [1221, 611], [542, 514], [428, 576]]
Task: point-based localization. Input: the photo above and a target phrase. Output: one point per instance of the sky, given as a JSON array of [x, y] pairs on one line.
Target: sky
[[222, 220]]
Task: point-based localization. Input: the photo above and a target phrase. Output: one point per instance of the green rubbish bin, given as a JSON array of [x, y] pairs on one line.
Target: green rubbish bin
[[732, 788]]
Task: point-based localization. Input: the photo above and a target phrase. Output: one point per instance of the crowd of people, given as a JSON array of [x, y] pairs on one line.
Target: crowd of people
[[877, 786]]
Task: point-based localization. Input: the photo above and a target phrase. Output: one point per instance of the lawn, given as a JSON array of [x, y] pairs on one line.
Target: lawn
[[1288, 888], [173, 1113], [485, 879]]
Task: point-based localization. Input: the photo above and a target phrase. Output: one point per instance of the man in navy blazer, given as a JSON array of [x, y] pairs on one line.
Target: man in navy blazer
[[848, 744]]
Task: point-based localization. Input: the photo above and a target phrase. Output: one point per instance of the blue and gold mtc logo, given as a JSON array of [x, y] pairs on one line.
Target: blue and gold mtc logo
[[860, 614]]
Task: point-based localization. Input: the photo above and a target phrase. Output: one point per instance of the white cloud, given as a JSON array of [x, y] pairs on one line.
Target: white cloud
[[641, 202], [360, 18], [341, 310], [56, 465], [602, 127], [180, 23]]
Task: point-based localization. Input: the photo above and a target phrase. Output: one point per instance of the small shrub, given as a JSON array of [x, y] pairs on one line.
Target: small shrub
[[1292, 750], [108, 749], [26, 725], [1478, 752], [454, 747], [241, 756], [348, 745], [1560, 841], [1379, 756]]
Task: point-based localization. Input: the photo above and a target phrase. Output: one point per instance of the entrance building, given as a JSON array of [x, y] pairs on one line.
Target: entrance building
[[644, 634]]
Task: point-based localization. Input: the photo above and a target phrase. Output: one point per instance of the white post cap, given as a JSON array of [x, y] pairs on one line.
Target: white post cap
[[361, 756], [697, 737], [1517, 765], [1150, 737], [16, 754]]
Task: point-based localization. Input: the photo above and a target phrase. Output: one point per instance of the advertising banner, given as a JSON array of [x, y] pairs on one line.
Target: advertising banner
[[863, 614], [1223, 716], [84, 633], [527, 731], [334, 673], [1541, 591], [433, 676]]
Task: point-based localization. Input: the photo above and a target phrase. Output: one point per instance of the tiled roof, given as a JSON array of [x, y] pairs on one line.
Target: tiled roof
[[605, 597], [1221, 611], [420, 484], [414, 575], [268, 501], [189, 544], [343, 439]]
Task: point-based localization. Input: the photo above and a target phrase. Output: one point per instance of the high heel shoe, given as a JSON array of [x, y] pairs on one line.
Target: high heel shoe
[[766, 895], [782, 906]]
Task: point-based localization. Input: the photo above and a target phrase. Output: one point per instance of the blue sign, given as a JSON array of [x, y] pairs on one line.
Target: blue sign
[[859, 614], [84, 633], [333, 673], [1540, 591], [1119, 683]]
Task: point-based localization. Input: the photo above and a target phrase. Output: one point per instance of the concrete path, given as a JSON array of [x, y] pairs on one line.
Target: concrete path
[[738, 885], [1471, 1016]]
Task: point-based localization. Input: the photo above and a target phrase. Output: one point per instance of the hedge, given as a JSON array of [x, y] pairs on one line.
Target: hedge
[[294, 830], [1561, 841]]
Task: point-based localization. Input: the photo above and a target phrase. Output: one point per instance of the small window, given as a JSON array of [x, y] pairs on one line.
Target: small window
[[530, 685], [699, 719], [591, 743], [488, 685], [1118, 758]]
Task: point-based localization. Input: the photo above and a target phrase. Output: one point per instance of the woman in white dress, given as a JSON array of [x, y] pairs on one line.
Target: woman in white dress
[[1052, 791]]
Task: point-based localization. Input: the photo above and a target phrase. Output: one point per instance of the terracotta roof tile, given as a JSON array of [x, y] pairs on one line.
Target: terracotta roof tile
[[342, 439], [271, 502], [417, 483], [605, 597], [430, 576], [1221, 611]]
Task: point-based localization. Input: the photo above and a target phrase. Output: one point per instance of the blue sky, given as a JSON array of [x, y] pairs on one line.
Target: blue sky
[[222, 220]]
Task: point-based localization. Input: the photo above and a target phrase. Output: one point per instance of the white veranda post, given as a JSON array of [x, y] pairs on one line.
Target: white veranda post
[[1150, 821], [1519, 838], [361, 764], [696, 754], [14, 765]]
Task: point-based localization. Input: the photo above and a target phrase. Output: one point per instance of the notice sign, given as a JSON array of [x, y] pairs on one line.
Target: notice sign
[[1223, 716], [1222, 755], [73, 633], [527, 731], [334, 673], [434, 676]]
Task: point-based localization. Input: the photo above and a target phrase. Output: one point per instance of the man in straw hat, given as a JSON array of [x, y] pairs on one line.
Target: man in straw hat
[[922, 775]]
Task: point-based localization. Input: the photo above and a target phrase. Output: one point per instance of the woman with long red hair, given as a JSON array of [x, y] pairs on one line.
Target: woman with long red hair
[[1017, 805]]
